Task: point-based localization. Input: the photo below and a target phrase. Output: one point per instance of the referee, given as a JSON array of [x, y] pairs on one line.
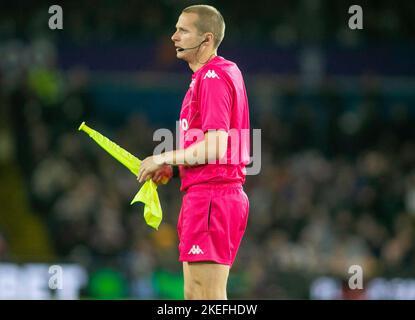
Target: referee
[[213, 153]]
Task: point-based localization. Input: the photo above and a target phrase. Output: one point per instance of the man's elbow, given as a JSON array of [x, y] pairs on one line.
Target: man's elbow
[[223, 147], [217, 145]]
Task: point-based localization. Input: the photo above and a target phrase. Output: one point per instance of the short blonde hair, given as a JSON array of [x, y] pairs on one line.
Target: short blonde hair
[[210, 20]]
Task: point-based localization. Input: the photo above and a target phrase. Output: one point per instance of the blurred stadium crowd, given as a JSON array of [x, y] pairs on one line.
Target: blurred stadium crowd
[[283, 22], [337, 185]]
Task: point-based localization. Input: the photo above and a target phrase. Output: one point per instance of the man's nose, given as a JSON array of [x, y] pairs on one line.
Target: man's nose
[[174, 37]]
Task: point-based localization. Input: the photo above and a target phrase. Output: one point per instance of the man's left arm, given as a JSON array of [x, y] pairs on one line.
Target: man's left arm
[[212, 147]]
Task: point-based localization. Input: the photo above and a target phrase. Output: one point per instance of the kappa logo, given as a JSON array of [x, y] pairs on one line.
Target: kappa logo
[[211, 74], [195, 250]]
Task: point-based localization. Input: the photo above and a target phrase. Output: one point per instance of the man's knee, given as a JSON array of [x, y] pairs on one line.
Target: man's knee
[[188, 293], [193, 289], [214, 293]]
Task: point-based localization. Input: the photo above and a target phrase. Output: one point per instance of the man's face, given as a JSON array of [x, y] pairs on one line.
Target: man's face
[[186, 36]]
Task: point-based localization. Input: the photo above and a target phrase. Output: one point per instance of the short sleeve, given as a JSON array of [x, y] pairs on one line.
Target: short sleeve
[[215, 101]]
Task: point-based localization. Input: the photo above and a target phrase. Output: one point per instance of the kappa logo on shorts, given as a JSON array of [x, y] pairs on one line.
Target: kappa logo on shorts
[[211, 74], [195, 250]]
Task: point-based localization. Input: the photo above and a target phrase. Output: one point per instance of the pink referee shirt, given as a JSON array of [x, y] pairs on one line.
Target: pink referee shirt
[[216, 99]]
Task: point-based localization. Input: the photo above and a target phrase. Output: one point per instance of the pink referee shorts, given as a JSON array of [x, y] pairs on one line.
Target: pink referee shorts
[[211, 224]]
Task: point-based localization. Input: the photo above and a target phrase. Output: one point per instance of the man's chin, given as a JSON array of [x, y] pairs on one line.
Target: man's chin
[[181, 55]]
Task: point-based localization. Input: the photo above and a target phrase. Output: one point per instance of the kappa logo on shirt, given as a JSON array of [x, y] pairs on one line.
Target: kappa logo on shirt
[[195, 250], [211, 74]]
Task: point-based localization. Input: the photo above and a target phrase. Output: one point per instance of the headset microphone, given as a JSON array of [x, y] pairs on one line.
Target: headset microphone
[[183, 49]]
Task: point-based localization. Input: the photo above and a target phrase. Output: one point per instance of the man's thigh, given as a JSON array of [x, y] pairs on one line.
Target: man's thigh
[[209, 275]]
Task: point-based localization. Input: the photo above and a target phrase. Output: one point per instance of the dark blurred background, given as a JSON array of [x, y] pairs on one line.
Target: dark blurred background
[[336, 108]]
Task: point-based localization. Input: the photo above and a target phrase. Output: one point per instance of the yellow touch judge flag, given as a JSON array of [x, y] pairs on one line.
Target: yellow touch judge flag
[[148, 192]]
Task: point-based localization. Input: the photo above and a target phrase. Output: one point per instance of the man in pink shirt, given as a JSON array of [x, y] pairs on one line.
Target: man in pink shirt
[[214, 149]]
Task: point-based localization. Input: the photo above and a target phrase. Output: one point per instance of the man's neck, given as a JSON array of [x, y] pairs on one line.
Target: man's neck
[[201, 60]]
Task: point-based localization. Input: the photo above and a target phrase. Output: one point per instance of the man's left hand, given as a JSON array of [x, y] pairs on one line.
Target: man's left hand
[[147, 169]]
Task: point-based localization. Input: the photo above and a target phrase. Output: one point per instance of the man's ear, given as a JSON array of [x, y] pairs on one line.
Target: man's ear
[[208, 37]]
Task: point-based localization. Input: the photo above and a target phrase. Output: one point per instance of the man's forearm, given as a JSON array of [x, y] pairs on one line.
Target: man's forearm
[[193, 155], [199, 153]]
